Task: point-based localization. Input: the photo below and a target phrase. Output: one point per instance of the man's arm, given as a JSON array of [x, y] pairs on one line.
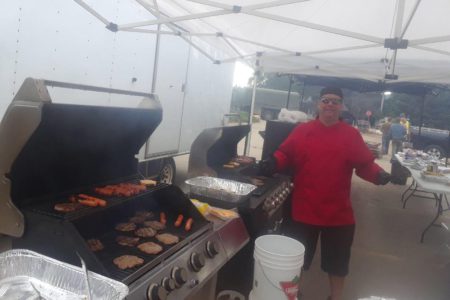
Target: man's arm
[[284, 155], [363, 161], [281, 158]]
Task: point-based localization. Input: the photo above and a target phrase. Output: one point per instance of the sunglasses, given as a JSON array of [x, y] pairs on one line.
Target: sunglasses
[[331, 101]]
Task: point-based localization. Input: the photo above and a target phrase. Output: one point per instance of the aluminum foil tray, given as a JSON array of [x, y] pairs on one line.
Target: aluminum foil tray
[[28, 275], [220, 189]]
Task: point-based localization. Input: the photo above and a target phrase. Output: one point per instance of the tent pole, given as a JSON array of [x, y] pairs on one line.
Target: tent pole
[[382, 103], [303, 96], [252, 106], [155, 75], [155, 64], [422, 107], [289, 92]]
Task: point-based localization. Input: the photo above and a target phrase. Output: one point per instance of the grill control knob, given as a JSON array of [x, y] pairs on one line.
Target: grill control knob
[[212, 249], [168, 284], [156, 292], [179, 275], [197, 261]]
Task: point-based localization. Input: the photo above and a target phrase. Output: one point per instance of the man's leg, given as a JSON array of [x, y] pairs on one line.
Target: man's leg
[[384, 142], [337, 286], [336, 245], [394, 148]]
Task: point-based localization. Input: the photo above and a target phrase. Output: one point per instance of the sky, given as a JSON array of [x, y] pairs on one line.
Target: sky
[[242, 73]]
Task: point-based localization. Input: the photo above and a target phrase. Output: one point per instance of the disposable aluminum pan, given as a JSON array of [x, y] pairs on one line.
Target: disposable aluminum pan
[[28, 275], [220, 189]]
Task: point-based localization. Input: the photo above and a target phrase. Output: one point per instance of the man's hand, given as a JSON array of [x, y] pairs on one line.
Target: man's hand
[[268, 166], [383, 178]]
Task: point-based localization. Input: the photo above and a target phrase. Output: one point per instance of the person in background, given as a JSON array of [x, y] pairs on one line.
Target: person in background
[[404, 121], [397, 134], [385, 137], [323, 154]]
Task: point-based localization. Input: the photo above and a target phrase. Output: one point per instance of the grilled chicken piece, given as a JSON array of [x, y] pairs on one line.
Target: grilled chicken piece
[[148, 182], [126, 226], [127, 240], [150, 248], [95, 245], [137, 219], [167, 238], [155, 225], [127, 261], [67, 207], [145, 214], [145, 232]]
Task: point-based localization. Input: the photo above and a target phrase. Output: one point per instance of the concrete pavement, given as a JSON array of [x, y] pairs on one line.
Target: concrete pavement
[[387, 258]]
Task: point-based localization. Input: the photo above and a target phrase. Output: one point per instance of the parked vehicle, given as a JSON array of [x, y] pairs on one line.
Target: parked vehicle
[[268, 102], [60, 41], [432, 141]]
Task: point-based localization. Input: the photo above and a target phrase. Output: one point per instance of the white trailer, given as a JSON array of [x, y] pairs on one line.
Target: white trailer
[[58, 40]]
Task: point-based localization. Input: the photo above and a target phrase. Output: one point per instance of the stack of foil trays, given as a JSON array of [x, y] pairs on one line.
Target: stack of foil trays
[[218, 188], [27, 275]]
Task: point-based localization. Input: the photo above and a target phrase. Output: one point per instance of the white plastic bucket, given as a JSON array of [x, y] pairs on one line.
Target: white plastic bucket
[[278, 263]]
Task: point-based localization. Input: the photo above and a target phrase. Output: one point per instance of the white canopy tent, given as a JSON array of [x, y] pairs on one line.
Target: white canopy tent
[[380, 41], [376, 40]]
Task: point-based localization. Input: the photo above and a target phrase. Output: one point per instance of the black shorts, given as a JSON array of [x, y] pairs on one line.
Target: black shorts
[[335, 243]]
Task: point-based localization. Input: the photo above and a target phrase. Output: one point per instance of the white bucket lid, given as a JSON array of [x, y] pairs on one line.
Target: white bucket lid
[[279, 246]]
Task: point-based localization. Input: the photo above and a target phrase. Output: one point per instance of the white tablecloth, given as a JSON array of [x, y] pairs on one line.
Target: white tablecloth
[[432, 187]]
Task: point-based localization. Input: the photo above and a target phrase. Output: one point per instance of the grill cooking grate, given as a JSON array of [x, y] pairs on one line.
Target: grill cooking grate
[[112, 250], [46, 205]]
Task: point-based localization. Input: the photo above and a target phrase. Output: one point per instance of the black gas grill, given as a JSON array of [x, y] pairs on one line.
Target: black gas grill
[[262, 210], [73, 149], [216, 147]]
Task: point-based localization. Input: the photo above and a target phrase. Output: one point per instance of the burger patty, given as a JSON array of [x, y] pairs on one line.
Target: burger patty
[[95, 245], [144, 213], [137, 219], [150, 248], [155, 225], [127, 240], [126, 226], [145, 232], [167, 238], [127, 261]]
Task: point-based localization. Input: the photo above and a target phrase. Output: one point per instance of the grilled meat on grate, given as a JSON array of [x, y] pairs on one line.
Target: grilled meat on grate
[[145, 232], [95, 245], [127, 261], [127, 240], [126, 227], [150, 248], [67, 207], [155, 225], [137, 219], [144, 213], [167, 238]]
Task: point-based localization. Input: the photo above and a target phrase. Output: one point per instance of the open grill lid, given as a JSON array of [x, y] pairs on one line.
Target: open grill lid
[[53, 148], [214, 147]]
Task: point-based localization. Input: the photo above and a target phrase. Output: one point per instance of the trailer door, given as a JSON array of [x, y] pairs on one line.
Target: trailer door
[[171, 74]]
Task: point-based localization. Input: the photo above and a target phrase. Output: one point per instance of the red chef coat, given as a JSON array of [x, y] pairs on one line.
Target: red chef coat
[[323, 159]]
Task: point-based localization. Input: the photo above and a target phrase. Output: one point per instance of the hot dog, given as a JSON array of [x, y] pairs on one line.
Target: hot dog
[[179, 220], [188, 224]]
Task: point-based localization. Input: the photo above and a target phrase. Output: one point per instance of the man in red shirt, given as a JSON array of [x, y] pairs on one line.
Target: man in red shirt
[[323, 154]]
